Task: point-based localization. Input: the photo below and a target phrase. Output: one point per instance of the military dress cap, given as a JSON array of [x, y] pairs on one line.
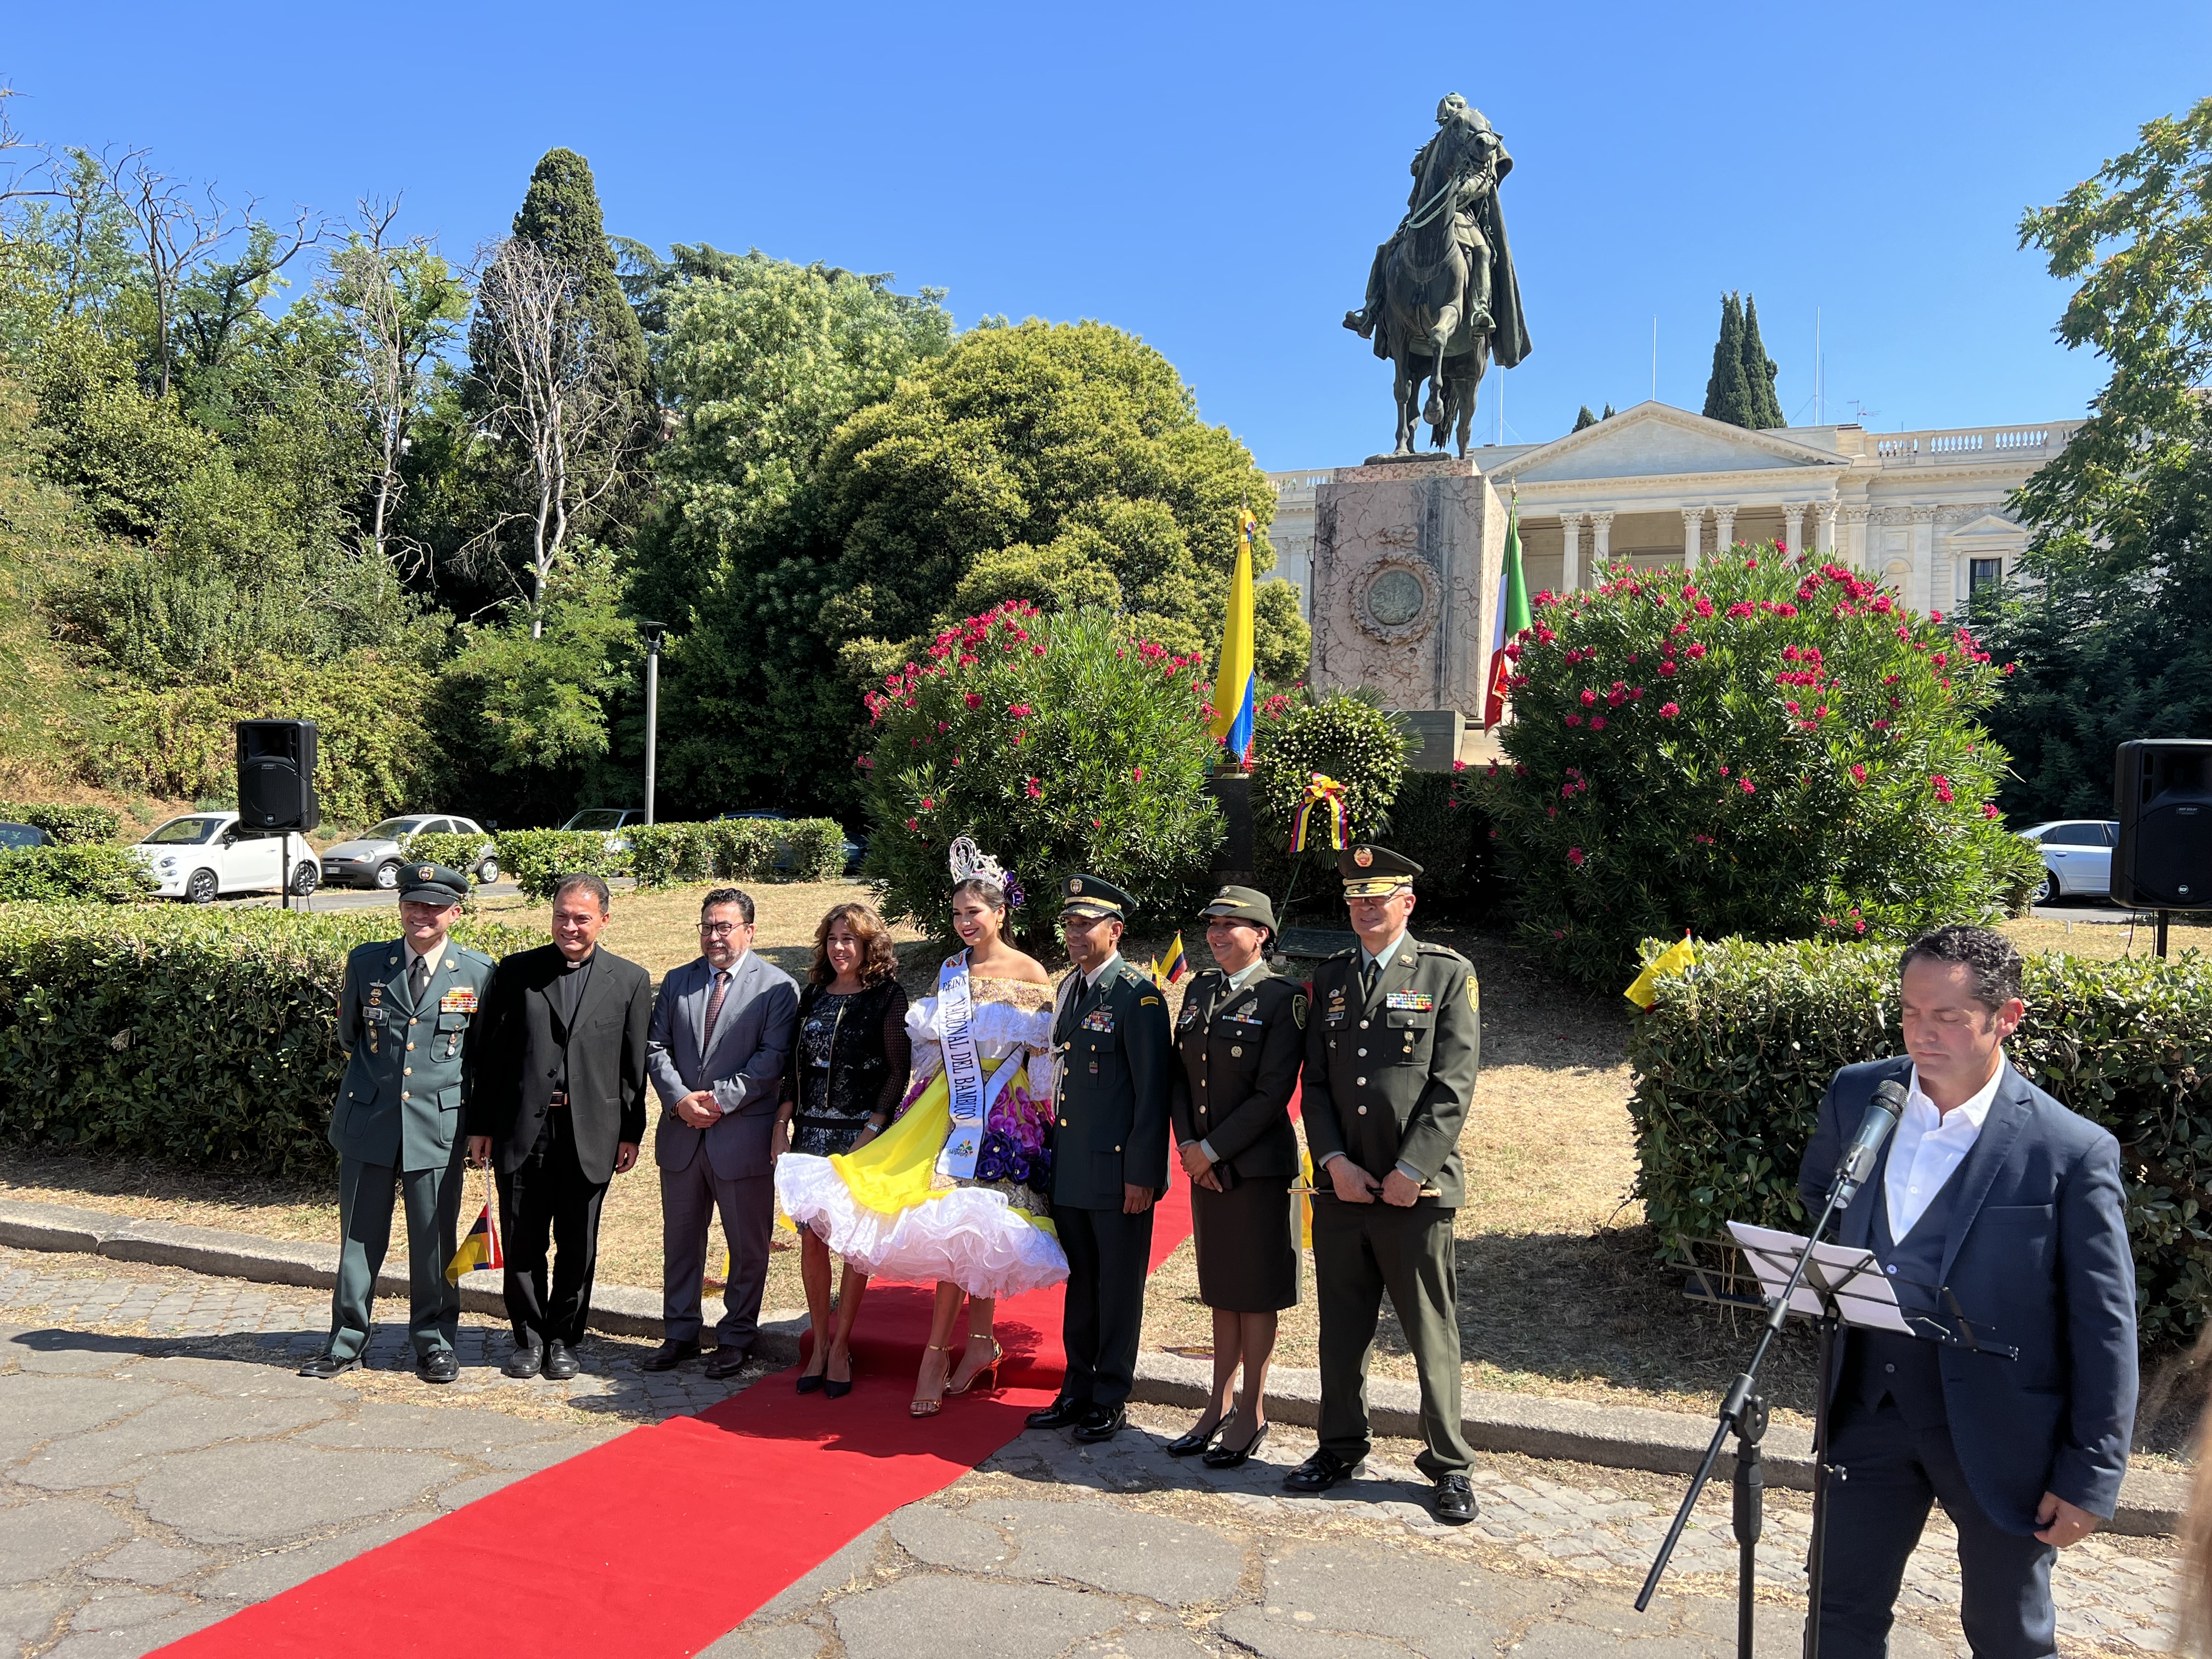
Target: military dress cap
[[1091, 896], [432, 883], [1372, 871], [1243, 904]]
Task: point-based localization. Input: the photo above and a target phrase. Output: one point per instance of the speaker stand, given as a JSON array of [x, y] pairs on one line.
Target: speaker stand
[[2164, 916]]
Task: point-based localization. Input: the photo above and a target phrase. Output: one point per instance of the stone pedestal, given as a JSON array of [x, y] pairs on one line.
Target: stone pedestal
[[1232, 793], [1407, 559]]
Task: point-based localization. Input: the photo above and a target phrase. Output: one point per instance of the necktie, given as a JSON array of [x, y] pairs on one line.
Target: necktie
[[715, 1004], [1074, 1012], [1369, 971], [418, 979]]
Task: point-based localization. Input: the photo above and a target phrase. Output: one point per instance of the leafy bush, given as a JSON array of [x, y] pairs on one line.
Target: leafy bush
[[1438, 822], [66, 823], [103, 874], [1768, 748], [535, 861], [461, 853], [1347, 737], [1073, 743], [206, 1037], [1732, 1061]]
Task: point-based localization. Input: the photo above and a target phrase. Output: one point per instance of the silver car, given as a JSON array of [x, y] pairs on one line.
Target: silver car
[[2078, 857], [374, 858]]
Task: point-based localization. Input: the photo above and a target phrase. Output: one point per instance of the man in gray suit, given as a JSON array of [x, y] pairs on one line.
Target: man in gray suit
[[722, 1029]]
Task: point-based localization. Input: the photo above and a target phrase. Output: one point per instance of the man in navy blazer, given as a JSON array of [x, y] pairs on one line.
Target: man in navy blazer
[[722, 1028], [1992, 1190]]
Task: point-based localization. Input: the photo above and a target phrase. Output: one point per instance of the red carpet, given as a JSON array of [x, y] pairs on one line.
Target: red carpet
[[657, 1542]]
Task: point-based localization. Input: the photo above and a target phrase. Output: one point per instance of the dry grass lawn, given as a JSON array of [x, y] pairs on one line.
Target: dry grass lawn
[[1560, 1292]]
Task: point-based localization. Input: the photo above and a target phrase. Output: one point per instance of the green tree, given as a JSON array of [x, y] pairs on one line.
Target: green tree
[[1758, 373], [1583, 418], [1728, 392], [1609, 413]]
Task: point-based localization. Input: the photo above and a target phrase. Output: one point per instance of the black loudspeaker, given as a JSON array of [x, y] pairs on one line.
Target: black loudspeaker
[[2162, 796], [276, 775]]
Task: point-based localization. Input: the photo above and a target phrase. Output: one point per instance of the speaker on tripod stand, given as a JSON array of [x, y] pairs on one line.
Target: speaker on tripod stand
[[2162, 796]]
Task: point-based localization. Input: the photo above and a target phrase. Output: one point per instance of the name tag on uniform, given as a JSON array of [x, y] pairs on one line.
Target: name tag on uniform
[[463, 1001], [1420, 1002], [1098, 1019], [374, 1016]]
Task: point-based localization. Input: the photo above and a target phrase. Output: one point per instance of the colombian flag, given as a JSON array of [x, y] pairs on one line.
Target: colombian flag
[[1233, 684], [481, 1247], [1512, 617], [1171, 965]]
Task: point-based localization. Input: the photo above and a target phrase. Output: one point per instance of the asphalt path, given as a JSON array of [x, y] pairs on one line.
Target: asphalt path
[[354, 898]]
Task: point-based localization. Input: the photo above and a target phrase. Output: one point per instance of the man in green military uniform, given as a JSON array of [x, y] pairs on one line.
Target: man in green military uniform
[[405, 1015], [1392, 1050], [1110, 1159]]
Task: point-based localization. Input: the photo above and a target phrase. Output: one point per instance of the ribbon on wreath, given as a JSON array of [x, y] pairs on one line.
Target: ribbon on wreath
[[1324, 796]]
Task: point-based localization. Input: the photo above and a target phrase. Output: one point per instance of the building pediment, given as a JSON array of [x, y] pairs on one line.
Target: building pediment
[[1990, 527], [1655, 440]]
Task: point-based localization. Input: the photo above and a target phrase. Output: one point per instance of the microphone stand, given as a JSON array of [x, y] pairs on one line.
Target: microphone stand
[[1743, 1414]]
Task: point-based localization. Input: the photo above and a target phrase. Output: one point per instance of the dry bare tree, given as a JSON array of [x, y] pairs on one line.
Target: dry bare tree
[[552, 394], [25, 166], [402, 303]]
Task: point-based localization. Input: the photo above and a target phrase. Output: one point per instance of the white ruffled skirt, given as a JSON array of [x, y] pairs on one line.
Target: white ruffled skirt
[[969, 1236]]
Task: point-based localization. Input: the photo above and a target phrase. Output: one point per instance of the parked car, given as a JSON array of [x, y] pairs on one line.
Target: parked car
[[375, 857], [855, 850], [2078, 857], [14, 837], [608, 821], [203, 855]]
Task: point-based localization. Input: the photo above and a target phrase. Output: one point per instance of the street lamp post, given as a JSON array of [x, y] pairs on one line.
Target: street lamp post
[[653, 631]]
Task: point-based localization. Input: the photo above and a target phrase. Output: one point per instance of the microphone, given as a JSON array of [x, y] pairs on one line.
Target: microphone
[[1858, 1162]]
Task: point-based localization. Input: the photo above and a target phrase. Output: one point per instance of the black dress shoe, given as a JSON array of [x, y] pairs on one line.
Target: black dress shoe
[[1224, 1457], [1101, 1422], [525, 1361], [1060, 1414], [1319, 1473], [1455, 1500], [809, 1384], [325, 1367], [670, 1354], [560, 1363], [727, 1362], [1189, 1445], [437, 1366]]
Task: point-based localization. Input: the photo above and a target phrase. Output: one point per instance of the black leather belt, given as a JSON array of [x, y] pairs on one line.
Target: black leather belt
[[560, 1098]]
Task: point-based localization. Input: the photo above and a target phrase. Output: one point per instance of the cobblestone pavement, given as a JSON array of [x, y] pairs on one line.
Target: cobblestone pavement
[[164, 1467]]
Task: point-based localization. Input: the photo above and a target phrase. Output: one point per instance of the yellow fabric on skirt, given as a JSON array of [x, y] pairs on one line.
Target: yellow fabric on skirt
[[898, 1169]]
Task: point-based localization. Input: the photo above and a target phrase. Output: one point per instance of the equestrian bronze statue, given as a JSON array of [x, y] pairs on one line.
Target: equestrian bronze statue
[[1442, 299]]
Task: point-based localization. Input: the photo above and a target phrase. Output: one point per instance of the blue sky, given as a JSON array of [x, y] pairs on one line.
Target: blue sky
[[1215, 178]]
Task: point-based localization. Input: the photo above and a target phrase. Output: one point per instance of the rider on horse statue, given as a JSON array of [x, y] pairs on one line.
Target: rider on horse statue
[[1492, 302]]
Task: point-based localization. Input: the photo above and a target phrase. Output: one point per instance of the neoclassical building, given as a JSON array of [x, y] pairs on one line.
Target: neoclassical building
[[1925, 512]]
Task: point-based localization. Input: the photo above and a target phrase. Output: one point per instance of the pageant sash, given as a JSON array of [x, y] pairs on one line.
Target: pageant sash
[[964, 1072]]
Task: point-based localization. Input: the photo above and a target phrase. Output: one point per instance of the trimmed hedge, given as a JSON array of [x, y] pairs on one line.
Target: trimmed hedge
[[87, 871], [661, 854], [536, 860], [1732, 1061], [197, 1037], [67, 825], [454, 852]]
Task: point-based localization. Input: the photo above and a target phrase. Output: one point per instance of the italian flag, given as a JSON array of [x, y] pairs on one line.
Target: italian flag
[[1512, 617]]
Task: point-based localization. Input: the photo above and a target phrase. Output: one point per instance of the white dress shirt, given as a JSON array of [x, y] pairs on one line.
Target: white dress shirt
[[1928, 1148]]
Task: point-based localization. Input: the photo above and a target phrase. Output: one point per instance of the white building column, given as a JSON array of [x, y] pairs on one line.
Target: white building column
[[1924, 596], [1601, 549], [1854, 539], [1570, 568], [1825, 534], [1792, 527], [1693, 535]]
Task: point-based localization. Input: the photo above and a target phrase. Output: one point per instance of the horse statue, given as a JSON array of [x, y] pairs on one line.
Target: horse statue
[[1442, 296]]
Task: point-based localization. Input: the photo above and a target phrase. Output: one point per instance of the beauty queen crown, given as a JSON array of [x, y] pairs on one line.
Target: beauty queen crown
[[971, 863]]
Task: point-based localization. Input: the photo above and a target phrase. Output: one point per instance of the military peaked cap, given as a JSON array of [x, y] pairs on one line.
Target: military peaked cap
[[1243, 904], [1092, 896], [432, 883], [1372, 872]]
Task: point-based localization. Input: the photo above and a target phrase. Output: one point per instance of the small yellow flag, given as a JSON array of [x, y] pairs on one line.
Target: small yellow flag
[[1675, 957]]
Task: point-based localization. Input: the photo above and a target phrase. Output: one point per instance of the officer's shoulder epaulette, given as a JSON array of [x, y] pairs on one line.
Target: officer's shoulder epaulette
[[1423, 947], [467, 954], [1346, 954]]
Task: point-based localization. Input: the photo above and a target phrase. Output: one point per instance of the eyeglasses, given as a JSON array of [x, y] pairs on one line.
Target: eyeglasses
[[718, 928]]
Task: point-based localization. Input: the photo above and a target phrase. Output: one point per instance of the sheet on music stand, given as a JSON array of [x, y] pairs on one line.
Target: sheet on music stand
[[1847, 1272]]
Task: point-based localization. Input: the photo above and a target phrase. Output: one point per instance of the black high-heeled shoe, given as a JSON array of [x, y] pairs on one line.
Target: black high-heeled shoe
[[809, 1381], [1189, 1445], [831, 1387], [1222, 1458]]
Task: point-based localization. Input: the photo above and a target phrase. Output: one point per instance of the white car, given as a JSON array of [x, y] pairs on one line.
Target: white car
[[373, 857], [203, 855], [2078, 857]]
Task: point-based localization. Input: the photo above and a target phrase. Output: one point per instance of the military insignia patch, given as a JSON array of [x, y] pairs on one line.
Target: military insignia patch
[[1363, 856], [1299, 1003], [424, 872], [1148, 1002], [1420, 1002], [1473, 994], [1098, 1019], [1075, 884], [463, 1001]]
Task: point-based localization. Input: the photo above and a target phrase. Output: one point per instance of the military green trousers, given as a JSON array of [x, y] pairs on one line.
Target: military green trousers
[[1360, 1251], [432, 1198]]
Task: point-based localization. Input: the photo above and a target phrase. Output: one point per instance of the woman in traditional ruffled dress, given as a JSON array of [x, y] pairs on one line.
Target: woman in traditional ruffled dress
[[957, 1189]]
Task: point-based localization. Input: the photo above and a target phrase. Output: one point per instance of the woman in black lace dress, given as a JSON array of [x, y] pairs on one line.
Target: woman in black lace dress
[[848, 1069]]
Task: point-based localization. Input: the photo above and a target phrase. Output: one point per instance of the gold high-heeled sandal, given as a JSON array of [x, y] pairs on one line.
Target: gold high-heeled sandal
[[929, 1407], [975, 1381]]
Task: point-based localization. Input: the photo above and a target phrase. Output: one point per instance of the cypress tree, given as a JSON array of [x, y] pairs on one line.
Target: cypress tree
[[559, 213], [1585, 418], [1728, 394], [1758, 373], [1609, 413]]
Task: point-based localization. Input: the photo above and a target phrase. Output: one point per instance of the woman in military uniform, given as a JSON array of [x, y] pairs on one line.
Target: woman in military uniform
[[1241, 1042]]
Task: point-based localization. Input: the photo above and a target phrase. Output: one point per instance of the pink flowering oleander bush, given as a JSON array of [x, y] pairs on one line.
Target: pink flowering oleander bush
[[1060, 743], [1765, 747]]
